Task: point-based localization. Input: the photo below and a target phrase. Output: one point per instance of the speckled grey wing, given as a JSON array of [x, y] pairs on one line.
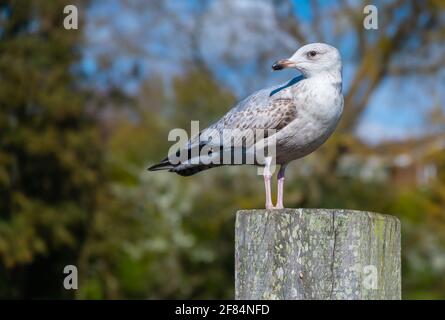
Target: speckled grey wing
[[269, 109], [251, 116]]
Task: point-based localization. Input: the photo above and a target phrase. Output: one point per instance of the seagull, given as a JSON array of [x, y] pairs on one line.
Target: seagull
[[298, 117]]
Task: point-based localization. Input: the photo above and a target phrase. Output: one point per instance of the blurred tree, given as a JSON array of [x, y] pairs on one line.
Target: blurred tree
[[50, 154]]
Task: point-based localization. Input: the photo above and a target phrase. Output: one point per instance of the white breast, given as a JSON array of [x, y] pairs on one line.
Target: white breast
[[319, 108]]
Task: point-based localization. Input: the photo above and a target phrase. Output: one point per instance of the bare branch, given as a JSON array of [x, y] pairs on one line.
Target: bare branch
[[430, 68], [287, 20]]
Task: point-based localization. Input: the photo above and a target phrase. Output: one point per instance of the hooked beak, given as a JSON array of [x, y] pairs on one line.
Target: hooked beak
[[281, 64]]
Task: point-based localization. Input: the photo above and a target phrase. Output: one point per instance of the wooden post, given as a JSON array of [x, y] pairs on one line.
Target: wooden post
[[316, 254]]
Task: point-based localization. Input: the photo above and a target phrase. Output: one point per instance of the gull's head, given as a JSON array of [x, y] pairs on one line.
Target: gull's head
[[312, 59]]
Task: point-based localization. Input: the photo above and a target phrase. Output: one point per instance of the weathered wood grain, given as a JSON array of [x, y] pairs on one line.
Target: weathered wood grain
[[317, 254]]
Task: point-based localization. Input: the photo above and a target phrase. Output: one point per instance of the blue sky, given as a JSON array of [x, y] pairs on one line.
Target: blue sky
[[397, 109]]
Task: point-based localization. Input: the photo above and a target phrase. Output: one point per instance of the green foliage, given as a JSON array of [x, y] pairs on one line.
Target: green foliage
[[49, 149]]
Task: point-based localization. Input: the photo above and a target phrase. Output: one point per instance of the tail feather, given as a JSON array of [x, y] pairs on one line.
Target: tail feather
[[190, 170], [181, 169], [186, 168], [163, 165]]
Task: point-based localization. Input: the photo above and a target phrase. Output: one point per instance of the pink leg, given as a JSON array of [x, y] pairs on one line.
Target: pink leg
[[269, 204], [280, 187], [267, 175]]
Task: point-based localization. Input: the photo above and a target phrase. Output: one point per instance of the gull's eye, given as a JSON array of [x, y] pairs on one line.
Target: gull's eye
[[312, 54]]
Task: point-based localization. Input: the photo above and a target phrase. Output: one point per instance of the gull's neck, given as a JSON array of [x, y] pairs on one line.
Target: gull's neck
[[332, 77]]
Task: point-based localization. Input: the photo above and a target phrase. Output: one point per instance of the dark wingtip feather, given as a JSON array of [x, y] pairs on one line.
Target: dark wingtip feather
[[165, 165]]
